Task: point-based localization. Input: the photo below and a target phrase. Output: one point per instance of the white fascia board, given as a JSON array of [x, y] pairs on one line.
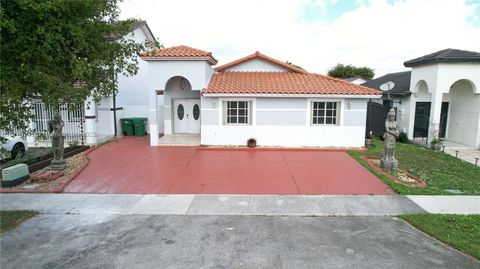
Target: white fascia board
[[210, 60], [292, 95]]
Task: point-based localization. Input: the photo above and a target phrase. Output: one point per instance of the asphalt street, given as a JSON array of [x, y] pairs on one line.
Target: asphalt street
[[187, 241]]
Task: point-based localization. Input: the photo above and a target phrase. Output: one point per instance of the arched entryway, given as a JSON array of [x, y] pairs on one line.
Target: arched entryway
[[463, 117], [181, 107], [422, 98]]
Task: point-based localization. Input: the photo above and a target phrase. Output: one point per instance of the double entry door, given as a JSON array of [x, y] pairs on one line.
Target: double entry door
[[186, 114]]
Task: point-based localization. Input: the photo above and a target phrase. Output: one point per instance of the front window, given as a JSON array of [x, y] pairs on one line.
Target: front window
[[325, 113], [237, 112]]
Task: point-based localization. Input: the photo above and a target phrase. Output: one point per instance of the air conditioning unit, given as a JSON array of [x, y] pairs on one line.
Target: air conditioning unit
[[14, 175]]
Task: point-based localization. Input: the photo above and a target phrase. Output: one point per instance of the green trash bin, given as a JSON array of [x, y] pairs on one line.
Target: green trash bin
[[140, 126], [127, 126]]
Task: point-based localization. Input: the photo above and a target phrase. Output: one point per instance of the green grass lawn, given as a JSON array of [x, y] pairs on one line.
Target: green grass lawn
[[459, 231], [11, 219], [439, 170]]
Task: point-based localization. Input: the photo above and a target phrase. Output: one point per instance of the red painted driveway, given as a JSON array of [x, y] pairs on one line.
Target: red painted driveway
[[132, 166]]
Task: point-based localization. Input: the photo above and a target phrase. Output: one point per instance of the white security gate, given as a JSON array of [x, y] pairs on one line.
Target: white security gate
[[186, 116], [73, 116]]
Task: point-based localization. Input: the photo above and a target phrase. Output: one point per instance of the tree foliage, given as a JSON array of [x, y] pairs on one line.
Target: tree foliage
[[61, 51], [350, 71]]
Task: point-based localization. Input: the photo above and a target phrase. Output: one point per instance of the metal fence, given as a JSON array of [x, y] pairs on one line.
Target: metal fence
[[73, 116], [376, 115]]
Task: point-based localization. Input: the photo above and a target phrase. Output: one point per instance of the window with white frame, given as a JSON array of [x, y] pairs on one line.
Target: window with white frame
[[237, 112], [325, 113]]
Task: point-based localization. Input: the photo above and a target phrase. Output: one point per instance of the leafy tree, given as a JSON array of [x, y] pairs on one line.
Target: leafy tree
[[349, 71], [61, 51]]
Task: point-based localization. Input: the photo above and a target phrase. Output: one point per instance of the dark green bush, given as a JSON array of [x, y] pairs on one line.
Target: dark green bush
[[403, 137]]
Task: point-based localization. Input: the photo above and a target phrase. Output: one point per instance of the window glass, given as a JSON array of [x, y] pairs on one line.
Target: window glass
[[180, 111], [324, 113], [237, 112], [196, 112]]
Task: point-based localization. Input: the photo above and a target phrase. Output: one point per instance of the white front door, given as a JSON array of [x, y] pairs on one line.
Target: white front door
[[186, 114]]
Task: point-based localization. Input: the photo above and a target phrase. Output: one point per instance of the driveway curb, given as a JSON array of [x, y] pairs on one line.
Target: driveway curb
[[241, 205]]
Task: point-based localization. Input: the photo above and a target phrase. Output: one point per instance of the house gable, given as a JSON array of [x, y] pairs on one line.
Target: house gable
[[258, 62], [256, 65], [143, 27]]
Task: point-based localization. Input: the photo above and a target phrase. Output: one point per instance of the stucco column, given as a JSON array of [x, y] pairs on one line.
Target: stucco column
[[153, 117], [411, 116], [90, 122], [435, 109]]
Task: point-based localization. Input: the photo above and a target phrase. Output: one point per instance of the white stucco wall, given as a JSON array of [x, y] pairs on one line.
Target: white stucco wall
[[284, 122], [433, 83], [464, 114], [132, 93], [402, 105], [197, 73], [256, 65], [104, 119]]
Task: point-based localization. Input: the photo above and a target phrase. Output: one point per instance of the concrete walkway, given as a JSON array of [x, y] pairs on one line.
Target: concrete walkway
[[265, 205], [467, 153]]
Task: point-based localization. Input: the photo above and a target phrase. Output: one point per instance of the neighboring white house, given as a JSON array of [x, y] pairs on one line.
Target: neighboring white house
[[441, 98], [90, 123], [131, 99], [254, 97]]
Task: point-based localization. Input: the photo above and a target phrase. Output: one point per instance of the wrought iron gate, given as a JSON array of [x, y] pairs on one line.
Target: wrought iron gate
[[376, 116], [73, 116]]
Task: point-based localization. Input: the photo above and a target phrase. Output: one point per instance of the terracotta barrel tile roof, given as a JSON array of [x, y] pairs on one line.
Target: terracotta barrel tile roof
[[282, 83], [179, 52]]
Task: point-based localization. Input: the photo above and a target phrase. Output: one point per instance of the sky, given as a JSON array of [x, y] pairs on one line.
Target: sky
[[314, 34]]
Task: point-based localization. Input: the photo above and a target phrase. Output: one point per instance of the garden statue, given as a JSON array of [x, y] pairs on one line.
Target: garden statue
[[388, 161], [55, 128]]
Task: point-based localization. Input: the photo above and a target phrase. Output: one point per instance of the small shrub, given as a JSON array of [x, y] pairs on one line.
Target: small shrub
[[252, 142], [403, 138], [74, 143]]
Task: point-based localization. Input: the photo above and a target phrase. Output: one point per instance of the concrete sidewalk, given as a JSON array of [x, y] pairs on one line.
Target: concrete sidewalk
[[267, 205]]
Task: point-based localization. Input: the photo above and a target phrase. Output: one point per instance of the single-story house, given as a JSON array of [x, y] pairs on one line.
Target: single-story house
[[438, 98], [257, 96]]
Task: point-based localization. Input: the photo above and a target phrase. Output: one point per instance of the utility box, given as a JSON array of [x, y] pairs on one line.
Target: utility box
[[14, 175]]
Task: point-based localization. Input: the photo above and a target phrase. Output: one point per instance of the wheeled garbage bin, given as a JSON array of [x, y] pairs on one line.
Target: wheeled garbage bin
[[140, 125], [127, 126]]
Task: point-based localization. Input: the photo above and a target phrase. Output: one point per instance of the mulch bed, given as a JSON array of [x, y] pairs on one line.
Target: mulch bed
[[401, 176], [75, 164]]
